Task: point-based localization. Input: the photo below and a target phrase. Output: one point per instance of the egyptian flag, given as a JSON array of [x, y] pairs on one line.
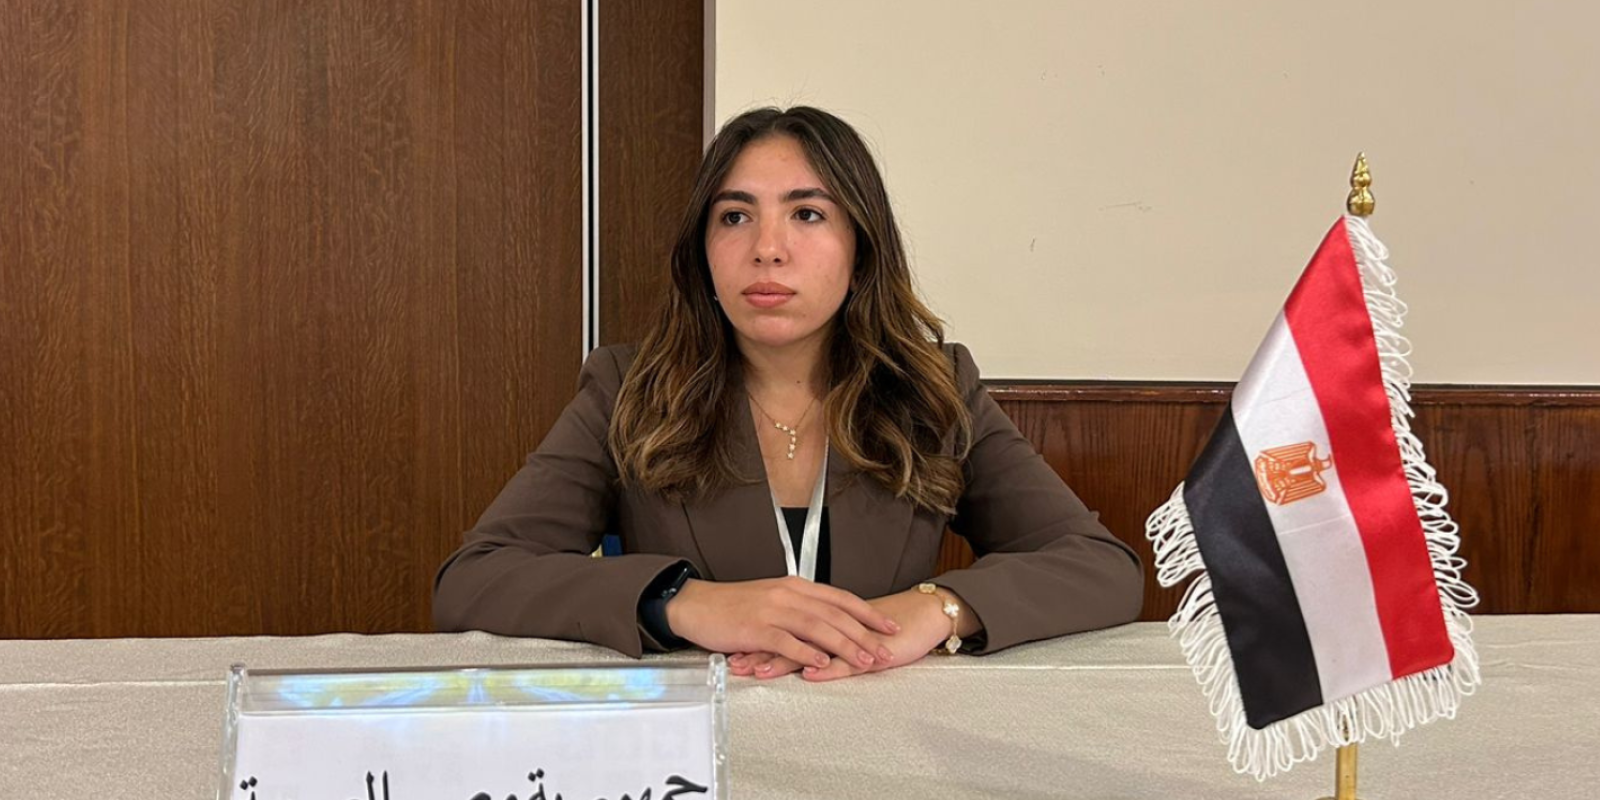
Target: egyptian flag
[[1329, 597]]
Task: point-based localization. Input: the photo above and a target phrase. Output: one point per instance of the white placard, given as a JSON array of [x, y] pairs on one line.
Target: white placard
[[583, 734]]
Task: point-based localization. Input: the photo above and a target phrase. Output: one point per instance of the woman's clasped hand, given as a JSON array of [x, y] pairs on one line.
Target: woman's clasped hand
[[802, 622], [778, 627]]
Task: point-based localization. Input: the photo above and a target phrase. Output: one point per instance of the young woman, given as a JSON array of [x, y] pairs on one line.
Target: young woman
[[782, 454]]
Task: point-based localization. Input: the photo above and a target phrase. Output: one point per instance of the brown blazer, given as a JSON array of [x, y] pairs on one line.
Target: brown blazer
[[1045, 567]]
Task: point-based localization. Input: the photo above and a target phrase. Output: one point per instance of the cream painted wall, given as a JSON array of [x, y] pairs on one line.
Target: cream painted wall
[[1129, 189]]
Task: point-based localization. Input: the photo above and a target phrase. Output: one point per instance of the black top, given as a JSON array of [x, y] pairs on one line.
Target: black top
[[796, 519]]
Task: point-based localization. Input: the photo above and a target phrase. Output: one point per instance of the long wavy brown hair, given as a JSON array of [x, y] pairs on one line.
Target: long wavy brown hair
[[894, 410]]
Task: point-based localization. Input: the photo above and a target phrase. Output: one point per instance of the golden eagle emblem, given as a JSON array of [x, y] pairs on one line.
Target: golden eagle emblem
[[1291, 472]]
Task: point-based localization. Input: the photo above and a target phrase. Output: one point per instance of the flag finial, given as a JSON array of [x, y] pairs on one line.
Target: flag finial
[[1360, 202]]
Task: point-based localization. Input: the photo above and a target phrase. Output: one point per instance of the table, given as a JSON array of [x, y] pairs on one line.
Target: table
[[1110, 714]]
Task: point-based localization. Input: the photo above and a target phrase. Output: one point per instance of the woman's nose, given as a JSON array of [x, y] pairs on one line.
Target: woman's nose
[[772, 245]]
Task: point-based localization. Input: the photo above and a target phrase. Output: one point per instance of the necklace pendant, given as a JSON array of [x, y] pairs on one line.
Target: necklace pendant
[[793, 432]]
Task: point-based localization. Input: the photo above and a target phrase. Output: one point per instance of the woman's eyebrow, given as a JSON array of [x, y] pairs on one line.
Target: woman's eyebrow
[[733, 196], [793, 195], [807, 194]]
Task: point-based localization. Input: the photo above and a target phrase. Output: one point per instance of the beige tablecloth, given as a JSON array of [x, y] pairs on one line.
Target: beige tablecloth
[[1112, 714]]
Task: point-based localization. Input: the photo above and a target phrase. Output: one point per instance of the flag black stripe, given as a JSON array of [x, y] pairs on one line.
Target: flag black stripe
[[1250, 583]]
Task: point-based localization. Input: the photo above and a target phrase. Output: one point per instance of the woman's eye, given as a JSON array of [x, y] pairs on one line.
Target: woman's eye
[[733, 217], [809, 215]]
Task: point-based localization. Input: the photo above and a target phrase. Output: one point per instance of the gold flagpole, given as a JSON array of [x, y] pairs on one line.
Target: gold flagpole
[[1344, 771], [1359, 204]]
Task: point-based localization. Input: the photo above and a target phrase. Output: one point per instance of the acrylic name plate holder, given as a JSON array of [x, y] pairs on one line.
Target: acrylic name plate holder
[[536, 733]]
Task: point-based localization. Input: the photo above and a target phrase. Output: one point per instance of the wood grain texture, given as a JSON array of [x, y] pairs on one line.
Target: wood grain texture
[[1485, 456], [520, 244], [651, 81], [1564, 573], [67, 458], [291, 291], [1522, 465]]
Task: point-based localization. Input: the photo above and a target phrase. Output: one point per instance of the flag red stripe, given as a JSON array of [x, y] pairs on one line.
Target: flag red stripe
[[1327, 315]]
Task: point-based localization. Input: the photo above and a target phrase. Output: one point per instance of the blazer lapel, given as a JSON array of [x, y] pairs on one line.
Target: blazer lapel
[[735, 529], [737, 534], [867, 529]]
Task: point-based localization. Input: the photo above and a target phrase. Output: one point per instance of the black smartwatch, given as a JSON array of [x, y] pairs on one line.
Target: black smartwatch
[[653, 603]]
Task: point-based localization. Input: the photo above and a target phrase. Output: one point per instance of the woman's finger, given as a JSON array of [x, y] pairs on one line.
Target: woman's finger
[[861, 610], [780, 642], [777, 667], [838, 668], [811, 623], [868, 641], [748, 664]]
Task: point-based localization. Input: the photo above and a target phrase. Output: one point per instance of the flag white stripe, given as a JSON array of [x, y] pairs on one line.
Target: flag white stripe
[[1274, 406]]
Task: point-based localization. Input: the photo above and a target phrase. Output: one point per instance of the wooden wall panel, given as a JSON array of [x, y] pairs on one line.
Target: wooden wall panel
[[292, 289], [1565, 556], [520, 247], [652, 63], [1522, 466], [1523, 470], [1122, 452], [66, 441], [178, 259], [1487, 460]]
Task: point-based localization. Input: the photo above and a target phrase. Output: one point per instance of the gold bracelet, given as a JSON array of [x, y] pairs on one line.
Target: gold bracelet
[[951, 609]]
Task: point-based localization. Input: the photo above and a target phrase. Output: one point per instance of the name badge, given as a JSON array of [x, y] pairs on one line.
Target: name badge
[[534, 733]]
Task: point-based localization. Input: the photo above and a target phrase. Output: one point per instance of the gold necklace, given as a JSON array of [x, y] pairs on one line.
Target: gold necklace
[[794, 432]]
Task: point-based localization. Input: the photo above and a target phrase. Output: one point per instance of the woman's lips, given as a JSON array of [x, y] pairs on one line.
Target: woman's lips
[[768, 295], [766, 300]]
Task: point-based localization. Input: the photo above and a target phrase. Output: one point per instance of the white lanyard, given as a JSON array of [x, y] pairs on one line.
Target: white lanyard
[[807, 567]]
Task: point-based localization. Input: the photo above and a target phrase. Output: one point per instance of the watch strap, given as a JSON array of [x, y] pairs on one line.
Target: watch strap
[[653, 604]]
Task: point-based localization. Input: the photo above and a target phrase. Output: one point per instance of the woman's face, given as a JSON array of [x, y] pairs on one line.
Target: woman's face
[[781, 250]]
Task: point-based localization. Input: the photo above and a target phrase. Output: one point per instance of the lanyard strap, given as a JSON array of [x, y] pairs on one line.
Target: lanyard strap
[[807, 563]]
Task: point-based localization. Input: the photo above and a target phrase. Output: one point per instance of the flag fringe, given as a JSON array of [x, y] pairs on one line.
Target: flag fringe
[[1382, 712]]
